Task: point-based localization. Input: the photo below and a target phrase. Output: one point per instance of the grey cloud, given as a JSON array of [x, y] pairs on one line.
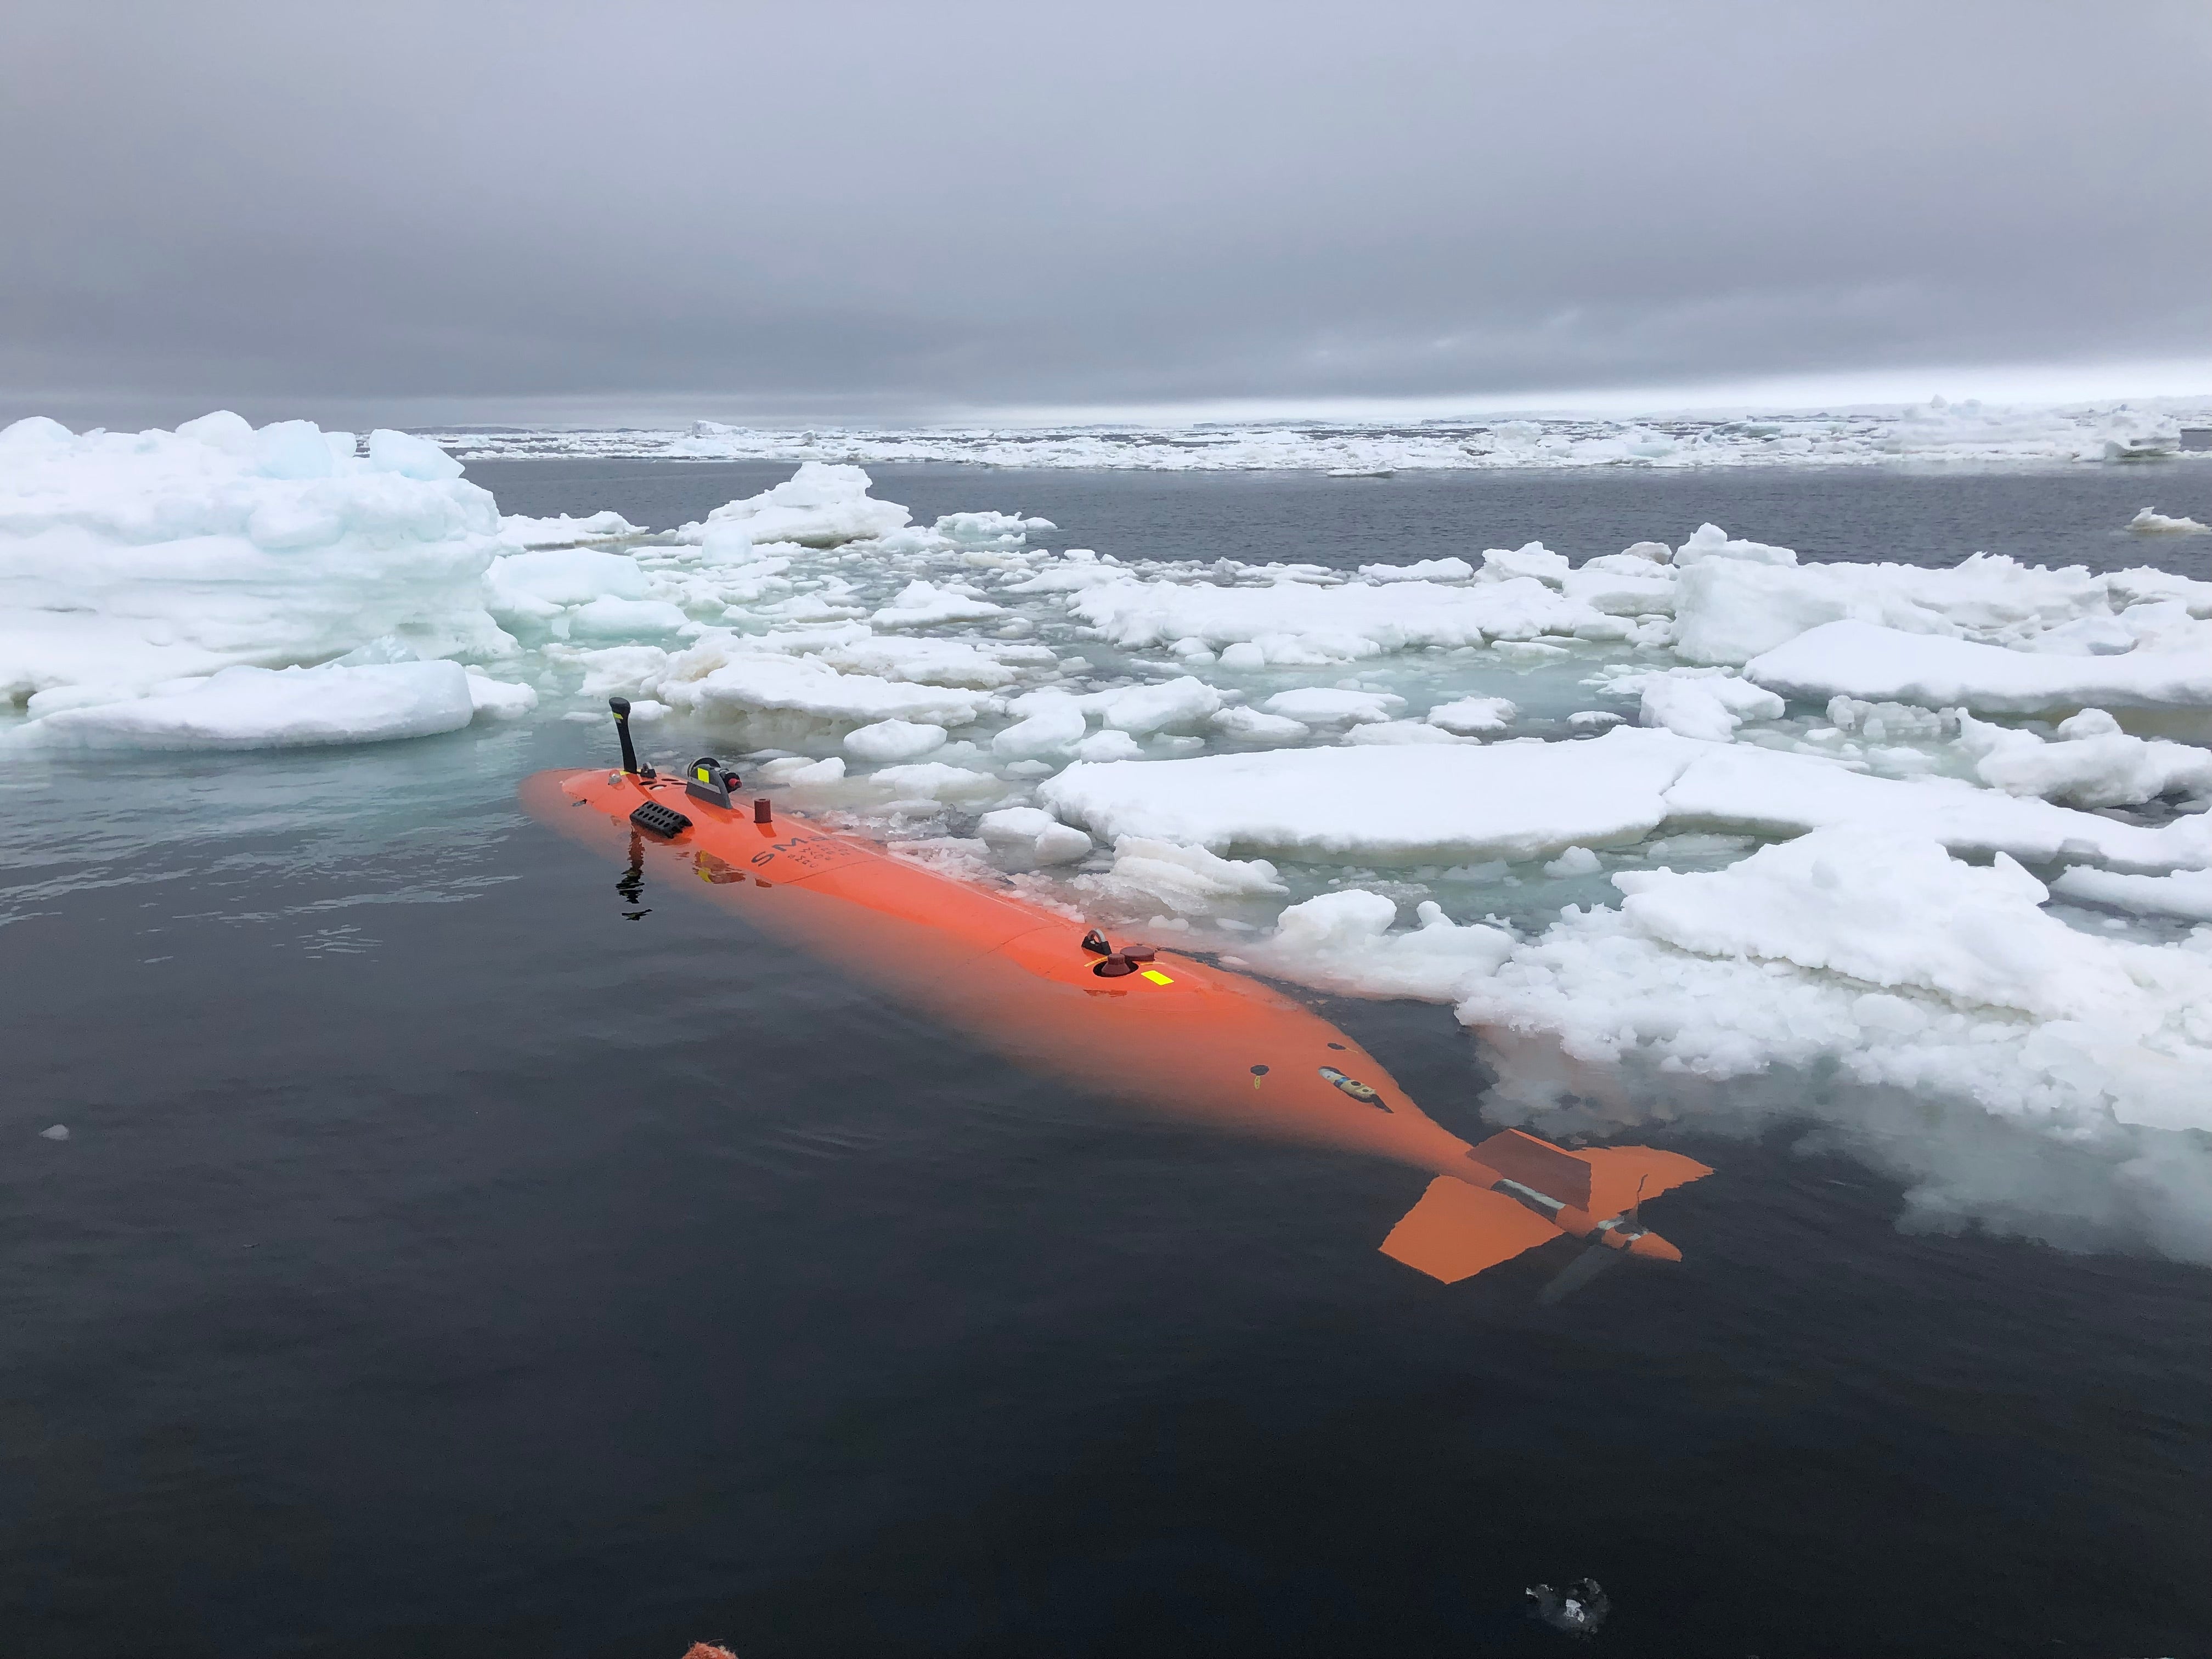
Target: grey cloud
[[884, 211]]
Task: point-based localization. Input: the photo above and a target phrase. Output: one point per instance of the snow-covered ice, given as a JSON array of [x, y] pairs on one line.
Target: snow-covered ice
[[247, 707], [1322, 705], [564, 530], [1707, 706], [716, 681], [1297, 622], [1034, 833], [1185, 879], [2017, 1072], [2091, 763], [1886, 665], [537, 587], [1389, 804], [2187, 893], [131, 559], [1527, 799], [893, 740], [1475, 716], [821, 505], [2149, 521], [1348, 941]]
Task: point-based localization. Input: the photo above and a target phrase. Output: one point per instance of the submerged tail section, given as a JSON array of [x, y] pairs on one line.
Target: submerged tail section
[[1522, 1192], [1456, 1230]]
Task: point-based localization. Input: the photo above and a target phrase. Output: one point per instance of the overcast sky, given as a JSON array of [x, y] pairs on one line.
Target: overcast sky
[[815, 212]]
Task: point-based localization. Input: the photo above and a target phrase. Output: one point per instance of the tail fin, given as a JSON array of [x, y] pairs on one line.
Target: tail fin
[[1456, 1230], [1622, 1177]]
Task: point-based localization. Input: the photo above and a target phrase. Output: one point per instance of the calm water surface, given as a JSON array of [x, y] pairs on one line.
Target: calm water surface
[[442, 1264]]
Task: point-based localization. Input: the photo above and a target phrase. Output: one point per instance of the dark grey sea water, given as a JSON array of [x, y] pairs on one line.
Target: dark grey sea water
[[440, 1263]]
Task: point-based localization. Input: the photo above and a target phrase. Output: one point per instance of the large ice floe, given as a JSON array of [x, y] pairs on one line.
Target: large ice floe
[[132, 562], [1695, 831]]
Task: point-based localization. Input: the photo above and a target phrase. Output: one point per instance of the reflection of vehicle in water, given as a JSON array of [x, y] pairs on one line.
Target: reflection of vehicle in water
[[1158, 1028]]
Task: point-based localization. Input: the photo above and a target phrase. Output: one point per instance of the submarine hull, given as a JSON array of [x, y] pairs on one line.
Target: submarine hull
[[1167, 1033], [1177, 1035]]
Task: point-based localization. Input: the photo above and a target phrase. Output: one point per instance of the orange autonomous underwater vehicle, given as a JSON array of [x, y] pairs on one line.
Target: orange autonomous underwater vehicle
[[1158, 1028]]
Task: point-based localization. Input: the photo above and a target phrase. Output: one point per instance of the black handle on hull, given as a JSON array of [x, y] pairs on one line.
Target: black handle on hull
[[621, 706]]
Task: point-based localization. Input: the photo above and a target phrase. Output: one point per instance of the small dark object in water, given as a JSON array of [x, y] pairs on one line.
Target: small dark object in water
[[1578, 1610]]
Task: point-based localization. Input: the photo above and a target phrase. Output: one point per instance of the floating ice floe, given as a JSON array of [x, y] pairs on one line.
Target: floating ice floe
[[1529, 800], [799, 696], [2186, 893], [564, 530], [1008, 530], [1347, 941], [2093, 764], [1034, 832], [927, 605], [1383, 804], [1376, 732], [128, 560], [537, 587], [821, 505], [1532, 560], [1175, 705], [1052, 722], [893, 740], [1885, 664], [1623, 585], [938, 780], [1294, 622], [2019, 1073], [247, 707], [1730, 610], [926, 662], [1470, 717], [1321, 705], [1701, 704], [1253, 725], [1422, 570], [2152, 522], [1710, 541], [1188, 880]]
